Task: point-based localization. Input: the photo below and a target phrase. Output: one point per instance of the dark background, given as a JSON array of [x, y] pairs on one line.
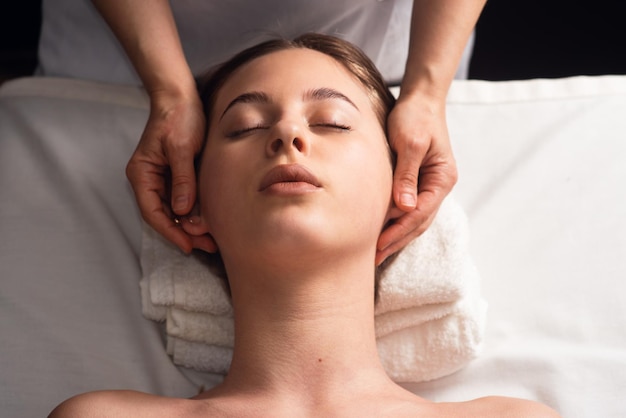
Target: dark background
[[515, 39], [521, 39]]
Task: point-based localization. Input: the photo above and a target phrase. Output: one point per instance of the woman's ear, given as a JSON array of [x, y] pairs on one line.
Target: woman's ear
[[198, 230]]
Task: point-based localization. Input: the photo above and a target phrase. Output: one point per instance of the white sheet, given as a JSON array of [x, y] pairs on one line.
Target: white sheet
[[541, 177]]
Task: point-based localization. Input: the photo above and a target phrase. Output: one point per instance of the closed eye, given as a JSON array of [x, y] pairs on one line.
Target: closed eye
[[240, 132], [333, 126]]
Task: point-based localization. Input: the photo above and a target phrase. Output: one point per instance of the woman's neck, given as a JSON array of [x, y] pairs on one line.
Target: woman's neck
[[305, 332]]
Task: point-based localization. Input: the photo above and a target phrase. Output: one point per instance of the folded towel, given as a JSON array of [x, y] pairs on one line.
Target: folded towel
[[199, 356], [429, 315], [433, 268], [201, 327], [393, 321], [440, 346], [175, 279]]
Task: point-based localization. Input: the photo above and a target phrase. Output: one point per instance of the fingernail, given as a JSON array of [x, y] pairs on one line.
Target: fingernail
[[180, 203], [407, 199]]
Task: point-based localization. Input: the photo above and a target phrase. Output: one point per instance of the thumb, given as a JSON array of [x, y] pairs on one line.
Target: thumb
[[183, 181], [406, 175]]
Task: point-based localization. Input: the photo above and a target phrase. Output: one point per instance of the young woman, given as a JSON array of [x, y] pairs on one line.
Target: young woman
[[294, 189], [418, 43]]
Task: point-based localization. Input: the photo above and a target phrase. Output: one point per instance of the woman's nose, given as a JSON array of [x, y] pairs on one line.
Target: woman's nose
[[288, 137]]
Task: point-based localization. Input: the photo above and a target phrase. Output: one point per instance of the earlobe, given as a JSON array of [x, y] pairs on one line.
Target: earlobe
[[199, 232]]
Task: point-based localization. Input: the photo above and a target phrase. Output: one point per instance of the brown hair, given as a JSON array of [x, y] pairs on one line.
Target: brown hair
[[347, 54], [351, 57]]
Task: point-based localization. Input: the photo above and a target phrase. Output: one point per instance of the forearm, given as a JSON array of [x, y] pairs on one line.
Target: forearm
[[440, 30], [148, 34]]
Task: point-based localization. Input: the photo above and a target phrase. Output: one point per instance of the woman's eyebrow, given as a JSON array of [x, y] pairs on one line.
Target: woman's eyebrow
[[250, 97], [325, 93]]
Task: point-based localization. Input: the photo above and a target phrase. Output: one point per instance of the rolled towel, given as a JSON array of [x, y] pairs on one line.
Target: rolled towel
[[149, 309], [393, 321], [218, 330], [175, 279], [420, 308], [432, 269], [199, 356], [438, 347]]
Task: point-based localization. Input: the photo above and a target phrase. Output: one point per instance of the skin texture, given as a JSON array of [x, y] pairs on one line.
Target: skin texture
[[426, 170], [303, 294], [331, 137]]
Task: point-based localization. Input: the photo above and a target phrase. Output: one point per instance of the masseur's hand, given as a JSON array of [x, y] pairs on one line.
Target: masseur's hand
[[164, 159], [425, 170]]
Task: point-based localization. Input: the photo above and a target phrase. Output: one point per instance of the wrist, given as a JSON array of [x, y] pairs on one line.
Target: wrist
[[168, 102], [174, 86], [180, 91], [424, 98], [429, 84]]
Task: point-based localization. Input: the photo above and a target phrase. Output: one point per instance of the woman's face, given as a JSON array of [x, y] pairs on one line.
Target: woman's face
[[295, 159]]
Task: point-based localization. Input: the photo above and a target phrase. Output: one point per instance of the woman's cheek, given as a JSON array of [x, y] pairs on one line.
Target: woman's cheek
[[215, 177], [371, 177], [382, 178]]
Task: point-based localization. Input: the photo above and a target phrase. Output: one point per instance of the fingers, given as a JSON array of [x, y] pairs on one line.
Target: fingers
[[399, 234], [425, 170], [148, 184], [436, 181], [164, 162], [407, 227], [180, 148], [166, 226], [199, 234]]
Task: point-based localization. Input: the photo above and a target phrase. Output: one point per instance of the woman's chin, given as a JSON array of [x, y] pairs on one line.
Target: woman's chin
[[299, 232]]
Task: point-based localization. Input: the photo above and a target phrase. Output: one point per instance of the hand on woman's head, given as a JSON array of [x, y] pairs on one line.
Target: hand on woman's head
[[425, 171], [161, 170]]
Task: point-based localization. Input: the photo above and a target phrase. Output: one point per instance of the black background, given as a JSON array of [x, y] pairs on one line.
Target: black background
[[518, 39], [515, 39]]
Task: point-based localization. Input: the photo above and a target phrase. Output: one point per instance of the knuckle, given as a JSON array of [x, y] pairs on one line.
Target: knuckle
[[414, 144], [181, 180], [410, 144], [407, 178], [181, 148], [175, 146], [131, 169], [451, 174]]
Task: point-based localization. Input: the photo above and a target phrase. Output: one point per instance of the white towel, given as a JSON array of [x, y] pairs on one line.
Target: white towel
[[429, 314], [175, 279], [201, 327], [199, 356], [436, 347]]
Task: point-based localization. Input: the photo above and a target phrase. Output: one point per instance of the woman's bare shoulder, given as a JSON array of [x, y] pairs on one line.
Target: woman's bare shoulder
[[503, 407], [123, 403]]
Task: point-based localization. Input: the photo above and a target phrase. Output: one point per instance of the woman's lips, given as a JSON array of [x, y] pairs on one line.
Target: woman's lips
[[289, 179]]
